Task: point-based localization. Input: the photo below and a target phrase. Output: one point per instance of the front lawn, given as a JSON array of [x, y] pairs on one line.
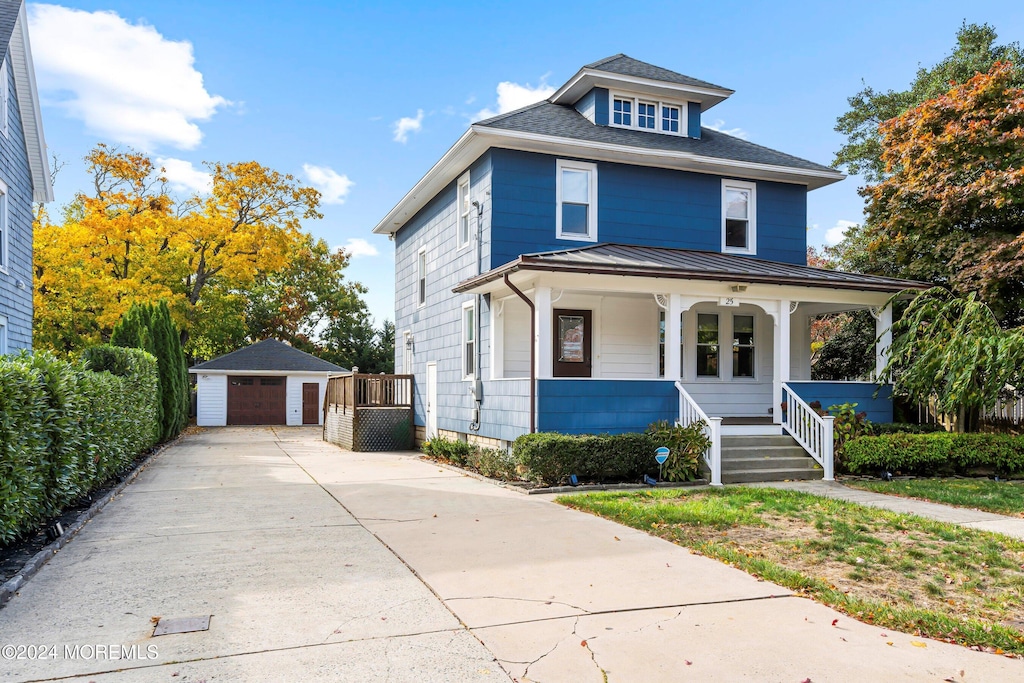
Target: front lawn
[[898, 571], [1002, 497]]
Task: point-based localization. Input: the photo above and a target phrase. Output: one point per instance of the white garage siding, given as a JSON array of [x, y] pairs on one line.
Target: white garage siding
[[212, 400], [294, 394]]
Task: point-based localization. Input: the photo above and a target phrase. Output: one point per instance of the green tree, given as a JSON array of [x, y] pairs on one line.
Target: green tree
[[975, 52]]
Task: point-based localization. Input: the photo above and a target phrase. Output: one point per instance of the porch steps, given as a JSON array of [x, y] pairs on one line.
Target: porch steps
[[747, 459]]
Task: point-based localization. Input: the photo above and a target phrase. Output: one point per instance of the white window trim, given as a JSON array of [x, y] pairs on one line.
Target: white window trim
[[5, 100], [587, 167], [468, 374], [5, 228], [421, 277], [751, 247], [3, 335], [753, 347], [463, 186], [697, 345], [637, 99]]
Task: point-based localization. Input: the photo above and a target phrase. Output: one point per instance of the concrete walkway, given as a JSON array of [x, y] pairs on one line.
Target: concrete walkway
[[976, 519], [320, 564]]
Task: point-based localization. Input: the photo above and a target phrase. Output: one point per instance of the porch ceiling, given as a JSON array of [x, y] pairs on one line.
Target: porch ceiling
[[685, 264]]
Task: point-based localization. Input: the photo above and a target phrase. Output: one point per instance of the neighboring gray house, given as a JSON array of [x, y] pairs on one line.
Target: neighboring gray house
[[24, 176], [267, 383]]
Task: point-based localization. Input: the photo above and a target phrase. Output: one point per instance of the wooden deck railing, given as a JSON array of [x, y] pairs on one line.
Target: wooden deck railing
[[357, 390]]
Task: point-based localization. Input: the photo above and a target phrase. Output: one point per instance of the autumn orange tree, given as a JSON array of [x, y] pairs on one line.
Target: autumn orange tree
[[129, 240], [951, 207]]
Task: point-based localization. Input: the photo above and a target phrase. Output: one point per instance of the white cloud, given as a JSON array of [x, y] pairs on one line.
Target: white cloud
[[837, 232], [333, 186], [512, 96], [184, 177], [719, 125], [125, 81], [406, 125], [357, 246]]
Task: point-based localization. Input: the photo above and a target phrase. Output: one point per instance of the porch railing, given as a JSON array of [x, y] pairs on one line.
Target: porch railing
[[812, 431], [690, 412]]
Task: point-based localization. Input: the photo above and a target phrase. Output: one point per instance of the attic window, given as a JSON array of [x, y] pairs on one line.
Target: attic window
[[639, 114]]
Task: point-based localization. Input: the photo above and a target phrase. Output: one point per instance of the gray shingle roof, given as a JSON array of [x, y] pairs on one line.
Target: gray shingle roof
[[8, 18], [269, 354], [688, 264], [558, 120], [627, 66]]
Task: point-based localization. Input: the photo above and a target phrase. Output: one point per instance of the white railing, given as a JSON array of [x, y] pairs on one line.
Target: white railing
[[812, 431], [690, 412]]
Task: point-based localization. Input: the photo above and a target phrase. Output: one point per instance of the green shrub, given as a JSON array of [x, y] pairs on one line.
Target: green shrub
[[66, 428], [452, 450], [495, 463], [933, 454], [548, 458], [686, 446], [879, 428]]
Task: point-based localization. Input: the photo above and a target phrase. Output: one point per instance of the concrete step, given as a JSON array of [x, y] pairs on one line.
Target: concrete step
[[753, 476], [782, 463], [759, 441], [764, 452]]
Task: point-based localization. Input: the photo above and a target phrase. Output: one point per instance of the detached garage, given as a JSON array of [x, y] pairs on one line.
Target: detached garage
[[268, 383]]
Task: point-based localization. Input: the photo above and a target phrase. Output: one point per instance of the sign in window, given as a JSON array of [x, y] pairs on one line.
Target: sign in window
[[570, 339]]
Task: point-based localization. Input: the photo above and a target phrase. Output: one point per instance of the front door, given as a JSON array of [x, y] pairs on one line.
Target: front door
[[572, 357], [310, 403], [431, 400]]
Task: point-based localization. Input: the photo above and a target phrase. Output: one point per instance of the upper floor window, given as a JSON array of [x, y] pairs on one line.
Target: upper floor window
[[464, 209], [468, 340], [5, 99], [633, 112], [421, 277], [739, 211], [4, 232], [576, 192]]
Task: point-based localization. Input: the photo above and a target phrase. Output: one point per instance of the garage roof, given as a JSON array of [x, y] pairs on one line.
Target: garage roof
[[269, 354]]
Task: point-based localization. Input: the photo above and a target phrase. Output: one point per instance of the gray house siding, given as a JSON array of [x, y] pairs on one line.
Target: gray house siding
[[436, 327], [16, 279]]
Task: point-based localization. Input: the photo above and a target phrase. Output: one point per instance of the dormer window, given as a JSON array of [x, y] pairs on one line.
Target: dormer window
[[640, 114]]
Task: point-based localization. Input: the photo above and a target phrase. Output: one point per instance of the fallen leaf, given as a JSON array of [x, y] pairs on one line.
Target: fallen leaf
[[688, 662], [835, 621], [583, 643], [889, 643], [918, 643], [617, 538], [155, 620]]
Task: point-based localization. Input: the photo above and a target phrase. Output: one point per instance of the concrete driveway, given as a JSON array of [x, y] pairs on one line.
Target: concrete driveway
[[320, 564]]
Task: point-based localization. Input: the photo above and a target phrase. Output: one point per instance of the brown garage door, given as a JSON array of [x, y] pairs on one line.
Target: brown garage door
[[256, 401]]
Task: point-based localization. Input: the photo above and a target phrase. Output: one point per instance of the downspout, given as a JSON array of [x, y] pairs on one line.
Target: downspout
[[475, 425], [533, 353]]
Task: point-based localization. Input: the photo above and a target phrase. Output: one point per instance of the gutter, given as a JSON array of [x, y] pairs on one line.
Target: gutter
[[533, 353]]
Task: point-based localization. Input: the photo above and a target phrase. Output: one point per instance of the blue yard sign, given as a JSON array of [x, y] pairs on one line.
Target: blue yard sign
[[661, 455]]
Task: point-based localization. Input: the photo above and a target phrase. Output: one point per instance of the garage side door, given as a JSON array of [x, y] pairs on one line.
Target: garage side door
[[257, 401]]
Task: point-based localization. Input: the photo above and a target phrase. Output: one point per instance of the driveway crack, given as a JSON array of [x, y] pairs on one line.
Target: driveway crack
[[535, 600]]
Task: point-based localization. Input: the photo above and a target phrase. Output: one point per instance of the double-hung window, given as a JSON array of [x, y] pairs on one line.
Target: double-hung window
[[4, 229], [743, 346], [468, 339], [5, 99], [739, 222], [576, 192], [463, 208], [3, 336], [707, 345], [421, 277]]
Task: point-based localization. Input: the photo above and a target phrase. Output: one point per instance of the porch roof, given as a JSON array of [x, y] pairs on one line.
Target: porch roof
[[686, 264]]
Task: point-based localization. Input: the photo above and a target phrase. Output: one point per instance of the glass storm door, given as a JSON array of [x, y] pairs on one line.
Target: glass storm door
[[572, 357]]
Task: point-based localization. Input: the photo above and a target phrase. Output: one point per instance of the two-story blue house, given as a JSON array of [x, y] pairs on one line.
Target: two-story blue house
[[24, 176], [600, 260]]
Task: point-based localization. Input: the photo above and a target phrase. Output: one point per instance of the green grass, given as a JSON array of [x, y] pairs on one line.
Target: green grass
[[897, 571], [1002, 497]]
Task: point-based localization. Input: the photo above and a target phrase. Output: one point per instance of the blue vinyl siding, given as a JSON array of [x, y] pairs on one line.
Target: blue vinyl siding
[[600, 106], [693, 119], [878, 408], [15, 301], [593, 406], [637, 205]]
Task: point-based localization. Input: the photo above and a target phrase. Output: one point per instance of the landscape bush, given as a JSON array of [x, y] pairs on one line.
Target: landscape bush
[[686, 446], [935, 454], [549, 458], [68, 427], [879, 428]]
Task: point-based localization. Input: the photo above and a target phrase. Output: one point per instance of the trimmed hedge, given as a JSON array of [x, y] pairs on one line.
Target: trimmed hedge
[[549, 458], [67, 427], [879, 428], [939, 453]]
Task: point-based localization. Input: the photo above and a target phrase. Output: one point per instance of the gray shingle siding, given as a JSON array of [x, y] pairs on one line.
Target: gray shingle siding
[[437, 326], [16, 302]]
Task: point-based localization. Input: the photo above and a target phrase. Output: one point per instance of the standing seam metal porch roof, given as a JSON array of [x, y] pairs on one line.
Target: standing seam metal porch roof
[[687, 264]]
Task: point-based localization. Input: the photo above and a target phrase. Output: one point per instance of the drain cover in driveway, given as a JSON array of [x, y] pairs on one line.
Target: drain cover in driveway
[[182, 625]]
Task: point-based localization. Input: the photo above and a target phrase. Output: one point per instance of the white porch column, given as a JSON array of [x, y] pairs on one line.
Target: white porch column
[[543, 342], [673, 334], [883, 332], [783, 338]]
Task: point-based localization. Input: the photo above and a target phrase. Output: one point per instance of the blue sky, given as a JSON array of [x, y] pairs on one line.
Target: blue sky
[[318, 89]]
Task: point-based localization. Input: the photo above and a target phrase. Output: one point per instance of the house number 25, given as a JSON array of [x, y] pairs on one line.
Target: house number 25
[[728, 301]]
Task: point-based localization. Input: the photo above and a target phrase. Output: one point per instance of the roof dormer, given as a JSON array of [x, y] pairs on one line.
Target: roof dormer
[[626, 93]]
